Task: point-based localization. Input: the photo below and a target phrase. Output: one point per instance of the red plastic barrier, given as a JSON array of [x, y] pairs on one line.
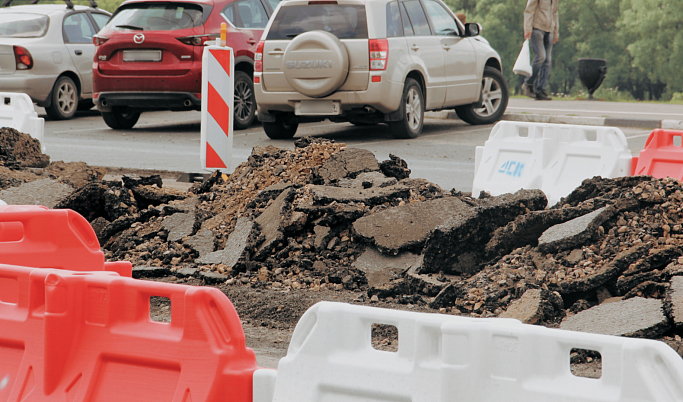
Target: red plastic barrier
[[662, 155], [35, 236], [75, 336]]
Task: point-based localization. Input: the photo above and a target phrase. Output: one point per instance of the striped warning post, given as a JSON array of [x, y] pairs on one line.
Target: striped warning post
[[217, 104]]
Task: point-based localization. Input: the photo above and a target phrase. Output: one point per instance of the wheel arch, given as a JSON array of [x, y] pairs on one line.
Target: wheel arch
[[245, 64], [417, 76], [74, 77], [494, 63]]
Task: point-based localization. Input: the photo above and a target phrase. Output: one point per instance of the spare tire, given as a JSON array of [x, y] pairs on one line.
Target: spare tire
[[316, 63]]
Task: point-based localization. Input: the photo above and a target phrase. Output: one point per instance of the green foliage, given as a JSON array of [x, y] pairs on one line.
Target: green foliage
[[642, 41], [109, 5]]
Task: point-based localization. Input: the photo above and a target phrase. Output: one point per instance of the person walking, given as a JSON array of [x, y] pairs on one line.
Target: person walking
[[542, 28]]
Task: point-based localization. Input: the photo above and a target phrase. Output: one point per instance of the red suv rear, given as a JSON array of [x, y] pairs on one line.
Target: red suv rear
[[149, 56]]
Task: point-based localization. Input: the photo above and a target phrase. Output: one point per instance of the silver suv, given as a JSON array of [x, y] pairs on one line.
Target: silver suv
[[373, 61]]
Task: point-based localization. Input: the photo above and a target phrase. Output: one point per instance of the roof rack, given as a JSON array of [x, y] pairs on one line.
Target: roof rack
[[69, 4]]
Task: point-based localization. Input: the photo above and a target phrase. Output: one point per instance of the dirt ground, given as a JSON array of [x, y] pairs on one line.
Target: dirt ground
[[304, 206], [269, 318]]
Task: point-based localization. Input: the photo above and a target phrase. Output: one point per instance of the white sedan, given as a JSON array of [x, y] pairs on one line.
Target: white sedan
[[46, 51]]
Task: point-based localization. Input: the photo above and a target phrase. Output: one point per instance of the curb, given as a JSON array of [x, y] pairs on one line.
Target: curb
[[577, 120]]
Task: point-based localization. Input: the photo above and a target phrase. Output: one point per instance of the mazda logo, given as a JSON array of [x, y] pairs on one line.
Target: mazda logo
[[138, 38]]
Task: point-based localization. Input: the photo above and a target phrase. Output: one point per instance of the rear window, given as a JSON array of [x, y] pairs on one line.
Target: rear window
[[22, 25], [157, 16], [344, 21]]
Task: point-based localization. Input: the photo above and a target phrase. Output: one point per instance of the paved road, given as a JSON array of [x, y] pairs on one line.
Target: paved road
[[444, 154]]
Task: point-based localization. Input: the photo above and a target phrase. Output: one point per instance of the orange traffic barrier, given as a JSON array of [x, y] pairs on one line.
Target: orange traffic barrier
[[36, 236], [662, 155], [77, 336]]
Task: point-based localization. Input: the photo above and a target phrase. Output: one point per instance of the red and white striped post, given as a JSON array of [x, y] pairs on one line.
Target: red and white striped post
[[217, 106]]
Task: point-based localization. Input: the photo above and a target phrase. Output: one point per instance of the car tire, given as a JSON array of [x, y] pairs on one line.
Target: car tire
[[64, 99], [494, 95], [245, 101], [283, 128], [121, 118], [412, 112]]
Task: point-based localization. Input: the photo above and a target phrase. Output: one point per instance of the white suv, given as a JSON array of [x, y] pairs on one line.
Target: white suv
[[372, 61]]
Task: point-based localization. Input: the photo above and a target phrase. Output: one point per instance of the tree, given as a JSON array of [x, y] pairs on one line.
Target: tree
[[655, 44]]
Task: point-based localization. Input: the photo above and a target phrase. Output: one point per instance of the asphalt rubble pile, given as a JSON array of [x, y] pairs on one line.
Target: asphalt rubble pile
[[608, 258]]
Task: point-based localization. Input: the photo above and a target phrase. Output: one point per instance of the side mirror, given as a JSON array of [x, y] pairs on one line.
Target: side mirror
[[472, 29]]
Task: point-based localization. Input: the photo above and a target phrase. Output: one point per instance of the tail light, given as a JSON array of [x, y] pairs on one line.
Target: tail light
[[379, 53], [23, 58], [198, 40], [258, 57], [98, 40]]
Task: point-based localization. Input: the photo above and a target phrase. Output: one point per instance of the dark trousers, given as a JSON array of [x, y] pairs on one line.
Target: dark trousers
[[542, 45]]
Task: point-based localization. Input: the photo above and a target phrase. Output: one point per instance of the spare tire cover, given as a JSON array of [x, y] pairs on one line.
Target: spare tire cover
[[316, 63]]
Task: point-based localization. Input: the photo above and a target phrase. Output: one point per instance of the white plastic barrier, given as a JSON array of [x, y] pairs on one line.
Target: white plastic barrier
[[217, 108], [554, 158], [17, 112], [443, 358]]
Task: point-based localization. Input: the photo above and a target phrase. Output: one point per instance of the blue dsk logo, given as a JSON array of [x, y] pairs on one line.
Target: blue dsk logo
[[512, 168]]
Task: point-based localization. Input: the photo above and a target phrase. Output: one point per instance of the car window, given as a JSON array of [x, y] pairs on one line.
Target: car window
[[246, 14], [442, 21], [394, 24], [417, 16], [100, 19], [78, 28], [22, 25], [273, 4], [407, 26], [157, 16], [344, 21]]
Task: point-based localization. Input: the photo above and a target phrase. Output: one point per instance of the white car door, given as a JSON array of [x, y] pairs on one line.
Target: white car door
[[78, 31], [425, 49], [459, 56]]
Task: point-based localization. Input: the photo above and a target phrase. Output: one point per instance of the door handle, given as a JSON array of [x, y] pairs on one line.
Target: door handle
[[78, 52], [272, 52], [446, 47], [251, 41], [415, 47]]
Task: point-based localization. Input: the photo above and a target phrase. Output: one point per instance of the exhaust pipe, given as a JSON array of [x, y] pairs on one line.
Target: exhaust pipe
[[187, 103], [104, 102]]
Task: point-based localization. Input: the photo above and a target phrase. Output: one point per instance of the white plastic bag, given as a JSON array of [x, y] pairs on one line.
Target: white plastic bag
[[523, 64]]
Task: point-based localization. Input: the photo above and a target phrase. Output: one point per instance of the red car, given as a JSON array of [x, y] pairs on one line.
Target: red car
[[149, 56]]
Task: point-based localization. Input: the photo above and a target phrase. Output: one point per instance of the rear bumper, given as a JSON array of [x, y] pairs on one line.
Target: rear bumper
[[178, 101], [383, 96], [38, 87]]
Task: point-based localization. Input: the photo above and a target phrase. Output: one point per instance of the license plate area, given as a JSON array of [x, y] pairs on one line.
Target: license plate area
[[317, 108], [142, 55]]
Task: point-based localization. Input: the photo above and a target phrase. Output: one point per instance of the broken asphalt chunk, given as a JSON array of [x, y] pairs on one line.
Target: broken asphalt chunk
[[458, 245], [637, 317], [575, 232], [235, 247], [407, 227]]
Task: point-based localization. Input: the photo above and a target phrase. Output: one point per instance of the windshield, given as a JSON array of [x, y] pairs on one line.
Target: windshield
[[157, 16], [344, 21], [21, 25]]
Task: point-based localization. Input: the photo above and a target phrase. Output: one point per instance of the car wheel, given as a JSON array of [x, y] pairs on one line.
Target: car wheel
[[120, 118], [412, 112], [64, 99], [283, 128], [245, 101], [494, 96]]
